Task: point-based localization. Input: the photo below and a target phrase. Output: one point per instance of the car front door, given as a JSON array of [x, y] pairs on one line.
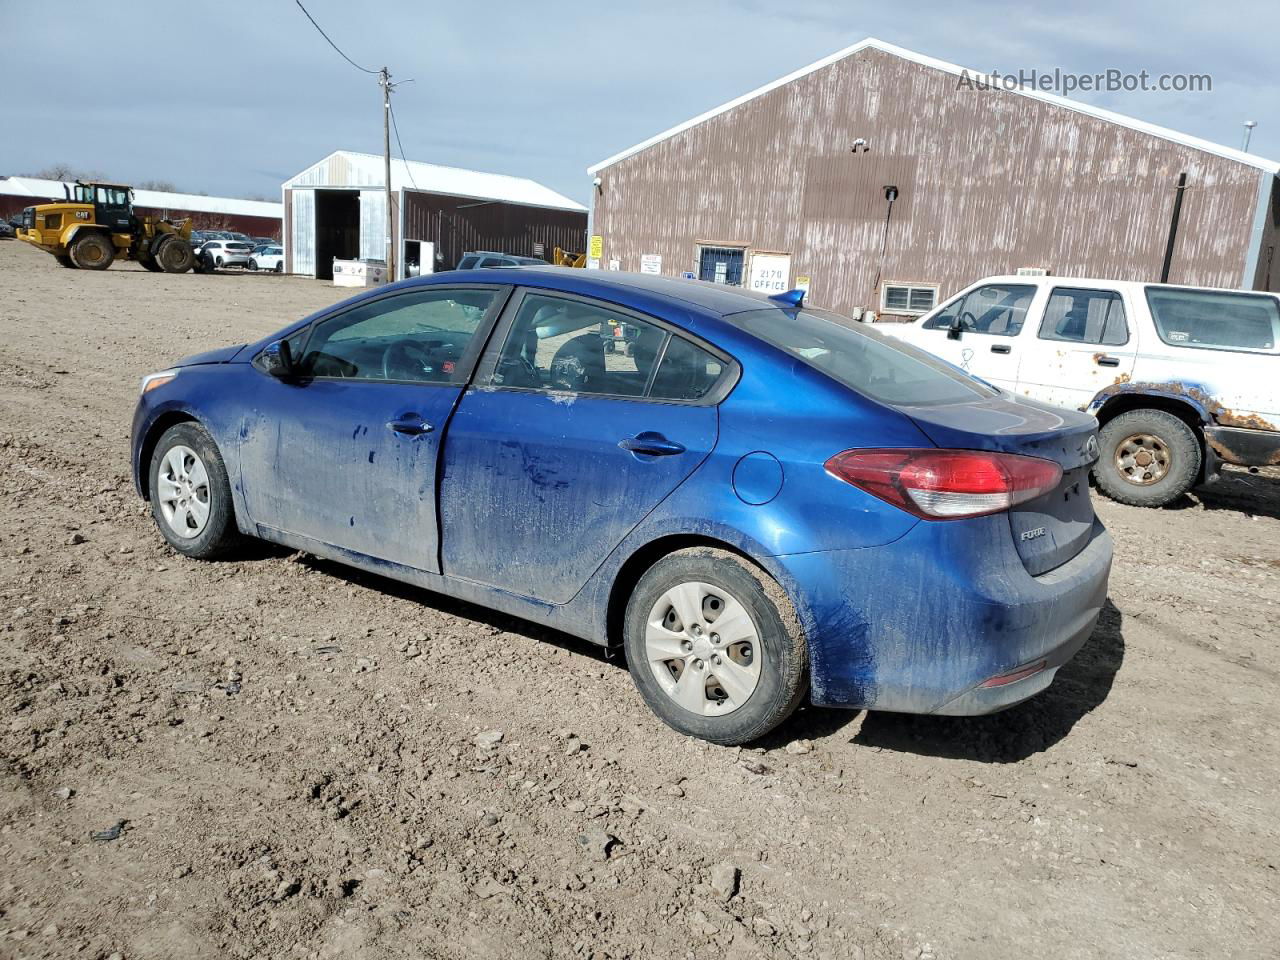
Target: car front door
[[560, 450], [980, 331], [1082, 344], [346, 452]]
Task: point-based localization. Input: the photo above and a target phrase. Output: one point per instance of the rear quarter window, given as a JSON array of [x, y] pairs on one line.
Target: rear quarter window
[[886, 370], [1215, 319]]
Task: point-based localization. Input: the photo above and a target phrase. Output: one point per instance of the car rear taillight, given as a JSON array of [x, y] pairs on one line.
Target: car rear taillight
[[946, 484]]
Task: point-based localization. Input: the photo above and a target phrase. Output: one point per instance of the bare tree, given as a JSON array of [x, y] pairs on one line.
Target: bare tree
[[64, 171], [164, 186]]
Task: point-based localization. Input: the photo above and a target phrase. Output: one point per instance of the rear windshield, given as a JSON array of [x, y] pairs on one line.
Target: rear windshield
[[1215, 319], [859, 357], [237, 245]]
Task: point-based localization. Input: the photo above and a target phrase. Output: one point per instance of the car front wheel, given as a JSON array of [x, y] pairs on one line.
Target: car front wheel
[[714, 646], [190, 493]]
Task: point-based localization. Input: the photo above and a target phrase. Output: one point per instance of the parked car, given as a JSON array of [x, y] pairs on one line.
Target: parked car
[[1181, 379], [241, 237], [262, 241], [267, 258], [487, 258], [217, 235], [226, 253], [7, 230], [897, 535]]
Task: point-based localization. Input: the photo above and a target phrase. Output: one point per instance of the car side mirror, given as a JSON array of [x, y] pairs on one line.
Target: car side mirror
[[956, 328], [277, 359]]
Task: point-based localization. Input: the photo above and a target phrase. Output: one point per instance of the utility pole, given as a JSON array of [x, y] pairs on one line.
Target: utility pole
[[1248, 133], [384, 80]]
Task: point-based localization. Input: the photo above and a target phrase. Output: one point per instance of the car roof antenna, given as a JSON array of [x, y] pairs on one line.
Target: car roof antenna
[[792, 298]]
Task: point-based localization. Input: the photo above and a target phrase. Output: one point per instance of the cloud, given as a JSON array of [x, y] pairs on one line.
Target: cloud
[[224, 100]]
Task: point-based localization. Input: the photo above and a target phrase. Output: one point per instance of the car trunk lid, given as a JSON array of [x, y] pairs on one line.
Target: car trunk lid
[[1053, 528]]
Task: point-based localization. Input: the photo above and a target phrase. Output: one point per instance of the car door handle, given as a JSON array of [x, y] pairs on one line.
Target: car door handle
[[410, 424], [654, 444], [1105, 361], [1001, 348]]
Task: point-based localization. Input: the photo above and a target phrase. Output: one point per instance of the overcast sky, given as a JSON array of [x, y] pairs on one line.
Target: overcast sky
[[232, 98]]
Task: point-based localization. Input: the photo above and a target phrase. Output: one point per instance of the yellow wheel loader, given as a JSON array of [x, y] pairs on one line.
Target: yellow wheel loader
[[96, 225]]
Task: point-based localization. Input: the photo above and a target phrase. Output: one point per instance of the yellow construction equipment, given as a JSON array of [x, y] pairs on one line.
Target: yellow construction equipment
[[563, 258], [98, 224]]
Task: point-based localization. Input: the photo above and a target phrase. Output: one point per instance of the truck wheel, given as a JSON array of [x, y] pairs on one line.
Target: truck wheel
[[65, 260], [1148, 458], [174, 255], [714, 646], [92, 251], [149, 263]]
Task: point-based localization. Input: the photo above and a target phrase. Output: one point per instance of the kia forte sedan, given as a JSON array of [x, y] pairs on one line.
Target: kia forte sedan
[[757, 502]]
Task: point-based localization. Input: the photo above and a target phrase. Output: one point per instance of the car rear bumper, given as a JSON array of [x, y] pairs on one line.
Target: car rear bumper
[[920, 625]]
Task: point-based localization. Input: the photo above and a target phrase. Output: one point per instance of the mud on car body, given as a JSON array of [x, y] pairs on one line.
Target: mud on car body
[[757, 502]]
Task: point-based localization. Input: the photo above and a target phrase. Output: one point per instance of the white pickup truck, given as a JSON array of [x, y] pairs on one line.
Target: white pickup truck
[[1180, 378]]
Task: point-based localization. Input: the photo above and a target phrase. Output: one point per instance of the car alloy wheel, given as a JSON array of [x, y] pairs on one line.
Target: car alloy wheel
[[183, 492], [703, 648]]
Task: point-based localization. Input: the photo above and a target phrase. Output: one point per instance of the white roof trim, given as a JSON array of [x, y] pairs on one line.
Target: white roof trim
[[37, 188], [1271, 166], [415, 175]]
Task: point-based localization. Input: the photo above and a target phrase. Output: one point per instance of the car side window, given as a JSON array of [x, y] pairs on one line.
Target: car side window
[[558, 344], [1216, 319], [416, 337], [1085, 316], [994, 309]]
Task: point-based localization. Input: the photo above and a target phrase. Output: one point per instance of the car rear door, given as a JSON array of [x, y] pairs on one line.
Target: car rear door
[[347, 453], [560, 450], [1082, 343]]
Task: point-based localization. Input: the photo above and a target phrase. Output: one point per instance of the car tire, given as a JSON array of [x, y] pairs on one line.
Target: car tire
[[92, 251], [191, 495], [253, 264], [692, 691], [1148, 458], [217, 262], [280, 266]]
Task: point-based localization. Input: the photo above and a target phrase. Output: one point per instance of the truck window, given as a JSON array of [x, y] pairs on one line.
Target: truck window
[[1085, 316], [996, 309], [1215, 319]]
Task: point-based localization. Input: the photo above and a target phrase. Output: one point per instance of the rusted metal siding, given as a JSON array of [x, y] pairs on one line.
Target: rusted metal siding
[[988, 182], [457, 225]]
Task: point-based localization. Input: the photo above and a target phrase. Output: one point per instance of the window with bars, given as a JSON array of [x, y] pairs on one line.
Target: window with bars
[[908, 298]]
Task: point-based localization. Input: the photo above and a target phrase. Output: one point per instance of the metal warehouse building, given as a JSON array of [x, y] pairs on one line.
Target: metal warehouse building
[[258, 218], [885, 181], [336, 209]]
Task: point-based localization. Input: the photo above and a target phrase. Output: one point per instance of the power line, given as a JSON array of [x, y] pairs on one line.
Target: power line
[[408, 169], [331, 43]]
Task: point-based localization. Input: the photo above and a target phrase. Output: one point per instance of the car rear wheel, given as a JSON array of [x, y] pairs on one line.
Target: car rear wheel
[[280, 266], [191, 495], [1148, 458], [714, 646], [253, 264]]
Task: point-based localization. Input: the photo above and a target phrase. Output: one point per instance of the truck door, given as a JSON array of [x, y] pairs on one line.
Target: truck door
[[1081, 344], [979, 331]]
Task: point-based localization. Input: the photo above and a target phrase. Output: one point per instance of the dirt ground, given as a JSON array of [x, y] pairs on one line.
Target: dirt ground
[[312, 762]]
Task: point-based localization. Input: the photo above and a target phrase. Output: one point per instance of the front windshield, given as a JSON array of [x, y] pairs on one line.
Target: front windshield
[[862, 358]]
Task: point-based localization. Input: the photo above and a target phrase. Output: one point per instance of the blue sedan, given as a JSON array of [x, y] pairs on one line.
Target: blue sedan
[[757, 501]]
